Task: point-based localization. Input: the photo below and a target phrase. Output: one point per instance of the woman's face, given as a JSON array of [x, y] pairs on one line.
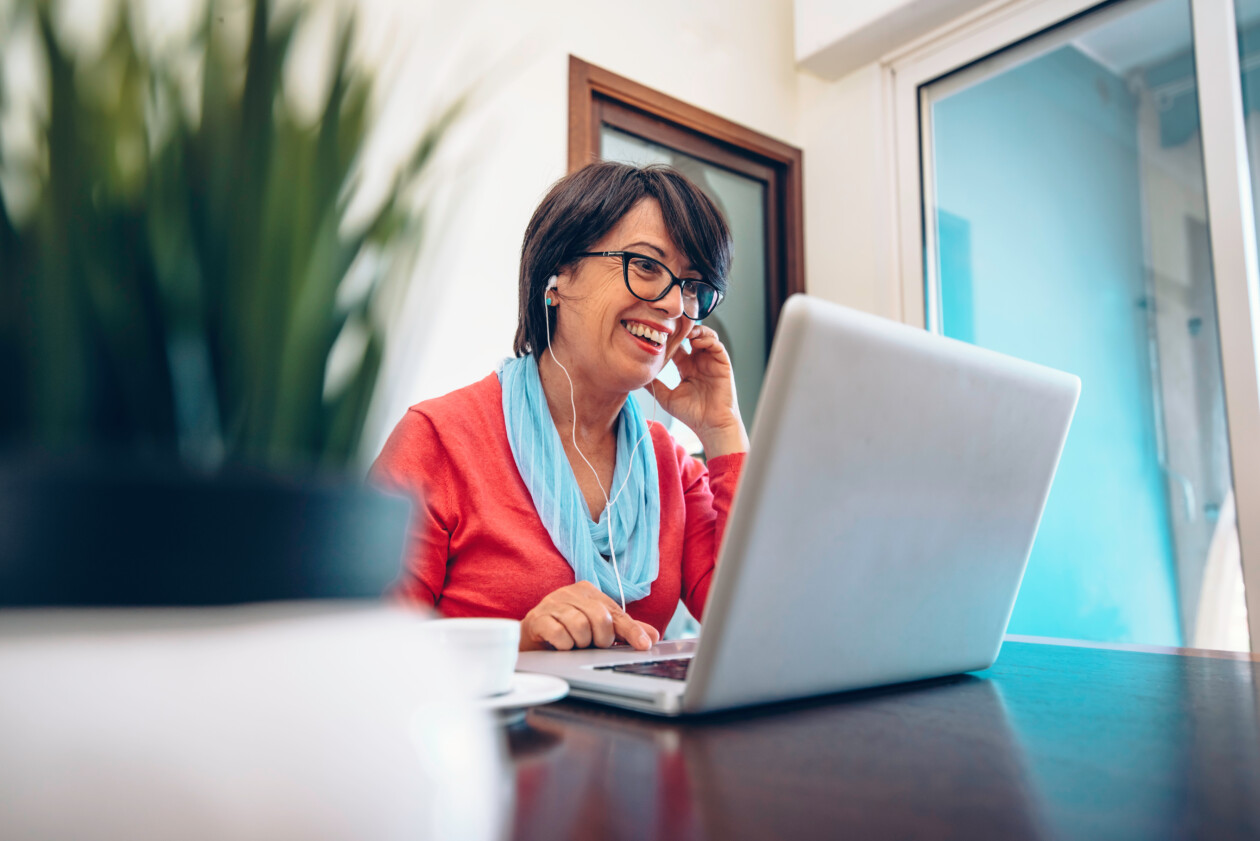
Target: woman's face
[[597, 312]]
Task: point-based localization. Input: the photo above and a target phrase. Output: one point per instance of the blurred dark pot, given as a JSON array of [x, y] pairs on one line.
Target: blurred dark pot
[[97, 535]]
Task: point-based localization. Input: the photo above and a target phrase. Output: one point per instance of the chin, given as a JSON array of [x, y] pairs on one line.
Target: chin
[[638, 378]]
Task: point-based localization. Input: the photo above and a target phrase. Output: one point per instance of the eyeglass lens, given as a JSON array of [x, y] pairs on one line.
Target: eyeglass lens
[[649, 280]]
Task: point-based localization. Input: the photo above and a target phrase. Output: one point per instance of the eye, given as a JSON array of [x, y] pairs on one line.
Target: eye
[[646, 266]]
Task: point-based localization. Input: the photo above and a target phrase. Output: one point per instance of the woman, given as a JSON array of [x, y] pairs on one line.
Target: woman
[[543, 495]]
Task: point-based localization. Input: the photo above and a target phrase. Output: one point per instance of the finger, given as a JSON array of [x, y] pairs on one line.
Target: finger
[[679, 352], [706, 342], [631, 631], [703, 342], [653, 634], [599, 621], [576, 623], [549, 630], [714, 349], [684, 361]]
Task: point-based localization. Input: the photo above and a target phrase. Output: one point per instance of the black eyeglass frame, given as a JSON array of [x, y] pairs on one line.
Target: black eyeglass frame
[[675, 280]]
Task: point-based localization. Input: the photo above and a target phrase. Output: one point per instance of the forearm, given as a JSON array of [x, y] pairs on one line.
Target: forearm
[[709, 499]]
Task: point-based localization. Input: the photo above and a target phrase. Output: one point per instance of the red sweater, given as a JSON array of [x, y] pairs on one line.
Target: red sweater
[[477, 546]]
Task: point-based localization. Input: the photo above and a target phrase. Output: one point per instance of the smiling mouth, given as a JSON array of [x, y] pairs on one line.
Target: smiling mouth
[[655, 338]]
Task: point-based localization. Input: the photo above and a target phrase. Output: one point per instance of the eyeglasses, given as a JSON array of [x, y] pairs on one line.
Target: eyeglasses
[[651, 280]]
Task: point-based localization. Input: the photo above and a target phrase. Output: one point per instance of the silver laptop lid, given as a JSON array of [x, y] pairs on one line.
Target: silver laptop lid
[[885, 514]]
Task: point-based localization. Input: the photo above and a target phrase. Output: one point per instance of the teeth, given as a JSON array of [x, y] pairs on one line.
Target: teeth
[[643, 331]]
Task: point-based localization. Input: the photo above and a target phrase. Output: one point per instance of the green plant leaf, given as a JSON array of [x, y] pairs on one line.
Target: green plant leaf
[[175, 290]]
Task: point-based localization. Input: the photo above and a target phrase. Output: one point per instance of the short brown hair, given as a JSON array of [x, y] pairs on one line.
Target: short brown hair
[[585, 205]]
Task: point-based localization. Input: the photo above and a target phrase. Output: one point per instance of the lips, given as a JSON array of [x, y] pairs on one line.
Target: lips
[[640, 336], [645, 332]]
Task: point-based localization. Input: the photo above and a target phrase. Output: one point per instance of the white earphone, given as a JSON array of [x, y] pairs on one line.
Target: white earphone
[[553, 283]]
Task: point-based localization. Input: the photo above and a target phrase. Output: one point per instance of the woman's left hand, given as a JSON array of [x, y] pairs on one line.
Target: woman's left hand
[[705, 399]]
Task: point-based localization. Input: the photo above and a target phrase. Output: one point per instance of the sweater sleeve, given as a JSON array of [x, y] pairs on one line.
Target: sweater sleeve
[[414, 463], [708, 494]]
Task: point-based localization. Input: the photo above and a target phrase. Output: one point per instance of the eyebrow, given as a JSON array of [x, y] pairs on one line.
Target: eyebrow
[[655, 248]]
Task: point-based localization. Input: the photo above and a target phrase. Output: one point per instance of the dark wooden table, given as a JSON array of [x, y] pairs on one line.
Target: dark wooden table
[[1052, 742]]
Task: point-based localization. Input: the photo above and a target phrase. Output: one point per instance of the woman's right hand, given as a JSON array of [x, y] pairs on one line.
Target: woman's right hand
[[579, 616]]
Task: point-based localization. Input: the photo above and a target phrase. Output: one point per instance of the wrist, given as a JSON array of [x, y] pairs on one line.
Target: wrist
[[723, 441]]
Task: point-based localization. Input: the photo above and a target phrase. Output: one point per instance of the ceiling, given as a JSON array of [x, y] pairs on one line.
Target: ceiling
[[1149, 34]]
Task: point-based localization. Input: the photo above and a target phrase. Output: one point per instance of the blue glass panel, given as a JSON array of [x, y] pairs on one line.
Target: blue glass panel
[[1071, 231]]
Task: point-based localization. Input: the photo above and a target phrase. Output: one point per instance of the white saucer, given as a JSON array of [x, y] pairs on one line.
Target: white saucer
[[528, 690]]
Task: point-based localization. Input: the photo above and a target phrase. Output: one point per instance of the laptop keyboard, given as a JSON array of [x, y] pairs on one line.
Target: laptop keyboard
[[672, 669]]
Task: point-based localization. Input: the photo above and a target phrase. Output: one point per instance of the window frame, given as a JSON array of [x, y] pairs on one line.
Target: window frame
[[978, 38]]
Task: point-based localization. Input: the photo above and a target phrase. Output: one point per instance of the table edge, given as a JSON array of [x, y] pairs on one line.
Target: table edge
[[1126, 646]]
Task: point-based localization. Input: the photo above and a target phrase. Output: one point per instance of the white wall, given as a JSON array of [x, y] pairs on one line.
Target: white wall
[[742, 60], [732, 58], [848, 192]]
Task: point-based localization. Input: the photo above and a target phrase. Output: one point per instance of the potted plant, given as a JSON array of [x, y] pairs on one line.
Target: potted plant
[[189, 335]]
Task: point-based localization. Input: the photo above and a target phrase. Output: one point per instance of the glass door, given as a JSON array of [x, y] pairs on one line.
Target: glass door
[[1066, 223]]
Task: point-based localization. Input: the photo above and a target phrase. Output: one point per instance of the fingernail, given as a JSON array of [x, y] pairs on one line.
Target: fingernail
[[643, 640]]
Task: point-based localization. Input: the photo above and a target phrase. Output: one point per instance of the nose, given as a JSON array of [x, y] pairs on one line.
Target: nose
[[672, 303]]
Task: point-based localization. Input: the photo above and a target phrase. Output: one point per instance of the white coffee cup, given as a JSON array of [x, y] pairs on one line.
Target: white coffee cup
[[483, 650]]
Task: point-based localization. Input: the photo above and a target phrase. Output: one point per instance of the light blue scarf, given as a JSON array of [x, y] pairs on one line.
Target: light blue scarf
[[540, 458]]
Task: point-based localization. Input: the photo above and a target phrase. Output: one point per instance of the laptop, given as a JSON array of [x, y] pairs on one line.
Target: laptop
[[881, 527]]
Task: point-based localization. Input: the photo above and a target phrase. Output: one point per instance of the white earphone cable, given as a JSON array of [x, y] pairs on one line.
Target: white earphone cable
[[608, 503]]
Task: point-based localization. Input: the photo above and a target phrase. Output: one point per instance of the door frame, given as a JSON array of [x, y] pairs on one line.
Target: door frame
[[598, 96], [974, 39]]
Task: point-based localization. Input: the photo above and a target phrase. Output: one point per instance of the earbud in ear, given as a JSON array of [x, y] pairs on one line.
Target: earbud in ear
[[552, 283]]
